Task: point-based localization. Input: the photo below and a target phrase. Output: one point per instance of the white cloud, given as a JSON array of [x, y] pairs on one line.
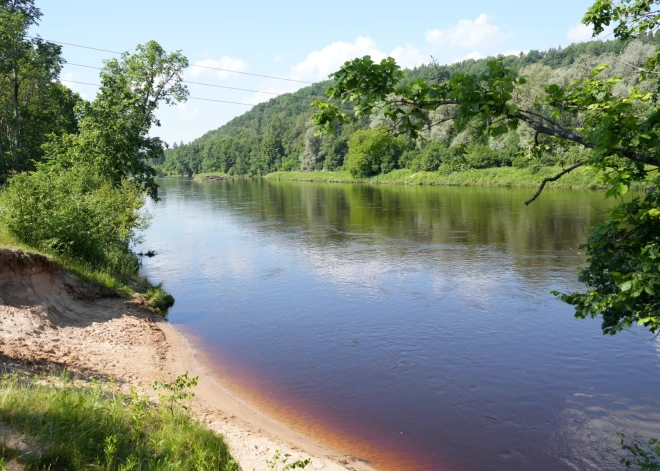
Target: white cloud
[[277, 58], [228, 63], [186, 111], [469, 34], [319, 64], [409, 56], [580, 32]]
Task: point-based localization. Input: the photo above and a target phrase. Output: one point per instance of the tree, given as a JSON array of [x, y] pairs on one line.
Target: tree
[[113, 133], [32, 104], [373, 151], [621, 132]]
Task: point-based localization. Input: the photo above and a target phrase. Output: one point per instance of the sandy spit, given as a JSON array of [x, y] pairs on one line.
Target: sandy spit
[[50, 319]]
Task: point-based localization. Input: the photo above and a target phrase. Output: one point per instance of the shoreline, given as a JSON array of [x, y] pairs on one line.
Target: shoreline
[[495, 177], [52, 320]]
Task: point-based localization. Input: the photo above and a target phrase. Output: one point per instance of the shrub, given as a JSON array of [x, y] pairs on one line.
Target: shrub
[[159, 299], [373, 151], [482, 156], [75, 213]]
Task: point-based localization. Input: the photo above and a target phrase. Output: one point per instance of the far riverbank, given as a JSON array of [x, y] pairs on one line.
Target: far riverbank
[[503, 177]]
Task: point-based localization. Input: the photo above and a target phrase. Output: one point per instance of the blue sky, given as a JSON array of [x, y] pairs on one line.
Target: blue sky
[[295, 39]]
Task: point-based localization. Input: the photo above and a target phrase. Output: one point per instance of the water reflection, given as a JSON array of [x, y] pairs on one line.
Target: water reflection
[[409, 326]]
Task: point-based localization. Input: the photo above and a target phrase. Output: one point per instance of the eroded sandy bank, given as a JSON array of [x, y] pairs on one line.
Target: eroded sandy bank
[[51, 319]]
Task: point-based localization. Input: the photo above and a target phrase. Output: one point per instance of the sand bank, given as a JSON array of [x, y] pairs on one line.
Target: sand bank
[[51, 319]]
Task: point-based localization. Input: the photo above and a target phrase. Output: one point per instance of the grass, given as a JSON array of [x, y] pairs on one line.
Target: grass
[[494, 177], [98, 428]]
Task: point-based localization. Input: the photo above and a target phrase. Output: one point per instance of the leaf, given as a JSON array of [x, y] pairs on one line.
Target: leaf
[[626, 286]]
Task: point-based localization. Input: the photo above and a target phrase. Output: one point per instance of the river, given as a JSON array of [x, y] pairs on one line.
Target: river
[[411, 327]]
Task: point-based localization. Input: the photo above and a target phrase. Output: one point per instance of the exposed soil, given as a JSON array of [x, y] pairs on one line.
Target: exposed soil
[[49, 319]]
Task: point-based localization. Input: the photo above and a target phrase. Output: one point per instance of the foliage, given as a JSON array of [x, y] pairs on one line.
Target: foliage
[[623, 271], [159, 299], [75, 213], [113, 133], [177, 392], [98, 427], [373, 151], [237, 147], [644, 456], [619, 131], [33, 104], [277, 460]]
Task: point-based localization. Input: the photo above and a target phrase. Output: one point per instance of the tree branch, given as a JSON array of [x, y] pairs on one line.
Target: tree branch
[[552, 179], [573, 137]]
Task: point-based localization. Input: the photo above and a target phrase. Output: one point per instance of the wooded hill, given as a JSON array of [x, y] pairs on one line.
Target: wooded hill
[[278, 134]]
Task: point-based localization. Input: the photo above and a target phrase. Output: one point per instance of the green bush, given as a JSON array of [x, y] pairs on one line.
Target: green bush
[[373, 151], [159, 299], [482, 156], [521, 161], [75, 213]]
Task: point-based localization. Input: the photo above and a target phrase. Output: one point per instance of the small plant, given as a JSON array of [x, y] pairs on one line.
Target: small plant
[[178, 391], [159, 299], [277, 460], [645, 456]]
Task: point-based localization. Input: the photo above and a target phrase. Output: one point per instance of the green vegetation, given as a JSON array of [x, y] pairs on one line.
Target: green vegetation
[[159, 299], [278, 135], [494, 177], [644, 455], [606, 120], [77, 172], [98, 427]]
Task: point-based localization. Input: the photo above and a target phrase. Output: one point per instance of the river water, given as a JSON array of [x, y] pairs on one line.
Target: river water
[[411, 327]]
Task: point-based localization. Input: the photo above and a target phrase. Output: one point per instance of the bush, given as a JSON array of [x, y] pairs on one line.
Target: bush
[[373, 151], [482, 156], [521, 161], [75, 213], [159, 299]]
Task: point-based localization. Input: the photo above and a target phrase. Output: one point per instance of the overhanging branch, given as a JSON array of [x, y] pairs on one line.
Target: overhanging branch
[[552, 179]]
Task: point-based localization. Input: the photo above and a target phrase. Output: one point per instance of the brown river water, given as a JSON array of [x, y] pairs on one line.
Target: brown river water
[[411, 327]]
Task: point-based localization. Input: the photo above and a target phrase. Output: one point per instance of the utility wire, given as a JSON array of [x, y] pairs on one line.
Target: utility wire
[[188, 81], [190, 97], [193, 65]]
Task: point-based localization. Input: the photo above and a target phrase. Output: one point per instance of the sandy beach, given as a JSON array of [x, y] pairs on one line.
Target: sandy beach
[[49, 319]]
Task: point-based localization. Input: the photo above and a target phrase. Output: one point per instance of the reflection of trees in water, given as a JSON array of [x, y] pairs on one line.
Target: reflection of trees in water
[[342, 213]]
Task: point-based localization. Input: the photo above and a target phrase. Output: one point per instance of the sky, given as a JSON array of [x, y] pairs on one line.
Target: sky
[[303, 41]]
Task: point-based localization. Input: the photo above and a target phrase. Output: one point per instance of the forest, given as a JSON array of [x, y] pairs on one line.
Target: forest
[[279, 136]]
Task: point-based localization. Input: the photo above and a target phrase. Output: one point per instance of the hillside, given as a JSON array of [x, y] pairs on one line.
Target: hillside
[[278, 135]]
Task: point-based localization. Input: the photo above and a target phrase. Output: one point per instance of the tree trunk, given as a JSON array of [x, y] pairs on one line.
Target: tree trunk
[[17, 124]]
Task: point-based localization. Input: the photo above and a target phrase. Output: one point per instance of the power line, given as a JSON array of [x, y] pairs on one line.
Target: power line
[[189, 81], [190, 97], [193, 65]]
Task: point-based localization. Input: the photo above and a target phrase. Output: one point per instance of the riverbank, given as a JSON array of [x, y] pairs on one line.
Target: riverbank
[[52, 319], [489, 177]]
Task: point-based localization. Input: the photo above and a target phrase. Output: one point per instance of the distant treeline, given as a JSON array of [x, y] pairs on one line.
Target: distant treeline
[[279, 136]]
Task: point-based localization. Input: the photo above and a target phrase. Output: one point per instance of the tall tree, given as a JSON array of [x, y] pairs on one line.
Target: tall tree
[[32, 103], [113, 133]]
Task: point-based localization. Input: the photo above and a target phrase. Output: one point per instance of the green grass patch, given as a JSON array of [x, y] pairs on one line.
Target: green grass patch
[[494, 177], [159, 299], [80, 428]]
